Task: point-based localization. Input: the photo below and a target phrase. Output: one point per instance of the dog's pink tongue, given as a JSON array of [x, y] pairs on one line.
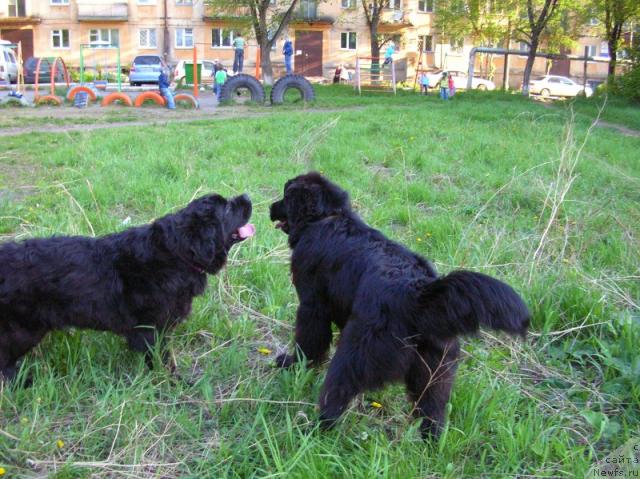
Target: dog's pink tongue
[[246, 231]]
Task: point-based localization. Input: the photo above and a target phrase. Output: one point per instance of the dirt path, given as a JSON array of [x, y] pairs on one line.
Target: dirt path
[[137, 117], [619, 128]]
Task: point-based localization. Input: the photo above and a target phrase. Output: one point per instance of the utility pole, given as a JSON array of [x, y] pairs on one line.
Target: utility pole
[[165, 36]]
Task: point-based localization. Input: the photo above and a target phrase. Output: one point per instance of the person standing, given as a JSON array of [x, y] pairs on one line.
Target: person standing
[[287, 51], [163, 83], [444, 86], [219, 79], [452, 86], [388, 54], [424, 83], [238, 59]]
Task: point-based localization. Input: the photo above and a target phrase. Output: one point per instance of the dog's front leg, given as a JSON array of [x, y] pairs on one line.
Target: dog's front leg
[[313, 333]]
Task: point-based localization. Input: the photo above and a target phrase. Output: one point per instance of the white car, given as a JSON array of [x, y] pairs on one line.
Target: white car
[[206, 71], [460, 81], [554, 85], [8, 63]]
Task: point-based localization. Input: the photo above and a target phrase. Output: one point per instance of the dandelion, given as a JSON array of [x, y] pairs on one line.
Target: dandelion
[[376, 404], [428, 235], [60, 443], [3, 471], [419, 239], [265, 351]]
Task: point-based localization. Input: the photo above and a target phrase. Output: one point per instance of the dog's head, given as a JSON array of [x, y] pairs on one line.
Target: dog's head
[[202, 234], [308, 198]]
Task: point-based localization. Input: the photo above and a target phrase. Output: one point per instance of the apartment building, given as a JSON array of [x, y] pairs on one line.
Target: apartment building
[[325, 33]]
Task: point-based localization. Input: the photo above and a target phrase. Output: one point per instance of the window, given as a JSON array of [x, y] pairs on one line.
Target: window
[[308, 8], [221, 38], [591, 50], [348, 40], [593, 21], [456, 44], [60, 38], [17, 8], [184, 2], [393, 4], [604, 49], [426, 42], [426, 6], [146, 2], [148, 38], [59, 2], [110, 37], [184, 37], [523, 47], [347, 3]]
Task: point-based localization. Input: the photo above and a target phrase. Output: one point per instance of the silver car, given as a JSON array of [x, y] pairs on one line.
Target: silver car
[[145, 69], [554, 85]]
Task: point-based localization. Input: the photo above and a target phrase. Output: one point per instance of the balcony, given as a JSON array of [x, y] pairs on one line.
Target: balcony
[[394, 20], [232, 16], [103, 12]]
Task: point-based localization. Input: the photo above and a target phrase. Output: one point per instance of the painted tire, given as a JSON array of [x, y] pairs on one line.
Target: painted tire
[[71, 94], [188, 98], [117, 96], [242, 80], [149, 95], [49, 99], [296, 82]]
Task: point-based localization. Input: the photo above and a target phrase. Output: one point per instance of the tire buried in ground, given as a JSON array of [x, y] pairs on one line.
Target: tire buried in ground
[[117, 96], [71, 94], [185, 97], [236, 82], [49, 100], [296, 82], [149, 95]]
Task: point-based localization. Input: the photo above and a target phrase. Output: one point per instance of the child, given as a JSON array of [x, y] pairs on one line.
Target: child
[[388, 54], [452, 87], [444, 86], [163, 83], [424, 83], [220, 78]]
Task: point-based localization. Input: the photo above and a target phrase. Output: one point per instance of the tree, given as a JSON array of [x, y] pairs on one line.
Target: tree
[[373, 13], [614, 15], [267, 19], [532, 27]]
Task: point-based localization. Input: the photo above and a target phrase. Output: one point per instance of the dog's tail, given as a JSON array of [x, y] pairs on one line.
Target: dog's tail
[[463, 301]]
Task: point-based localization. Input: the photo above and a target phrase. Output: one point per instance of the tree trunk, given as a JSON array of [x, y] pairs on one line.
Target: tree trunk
[[533, 49], [265, 65], [613, 59], [375, 51]]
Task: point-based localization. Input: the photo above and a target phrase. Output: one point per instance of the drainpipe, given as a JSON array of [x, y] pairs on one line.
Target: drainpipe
[[165, 36]]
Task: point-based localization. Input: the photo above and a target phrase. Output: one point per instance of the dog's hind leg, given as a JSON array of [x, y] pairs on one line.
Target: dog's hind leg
[[429, 381], [14, 344], [313, 333], [143, 340]]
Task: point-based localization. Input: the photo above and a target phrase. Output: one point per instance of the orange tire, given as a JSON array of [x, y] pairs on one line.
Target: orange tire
[[49, 99], [149, 95], [188, 98], [71, 94], [117, 96]]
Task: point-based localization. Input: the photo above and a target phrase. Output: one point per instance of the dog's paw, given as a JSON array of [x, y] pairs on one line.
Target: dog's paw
[[285, 361]]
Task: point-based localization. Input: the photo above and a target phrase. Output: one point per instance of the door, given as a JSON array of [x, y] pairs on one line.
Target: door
[[308, 53], [561, 66], [25, 36]]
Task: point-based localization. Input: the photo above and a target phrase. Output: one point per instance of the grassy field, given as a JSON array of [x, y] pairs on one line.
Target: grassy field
[[493, 183]]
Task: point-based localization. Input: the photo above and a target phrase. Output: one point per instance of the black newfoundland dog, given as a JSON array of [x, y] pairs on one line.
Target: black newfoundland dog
[[399, 320], [133, 283]]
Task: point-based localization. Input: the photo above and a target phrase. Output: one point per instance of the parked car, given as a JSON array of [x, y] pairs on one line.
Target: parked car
[[45, 71], [146, 69], [206, 71], [460, 80], [554, 85], [8, 63]]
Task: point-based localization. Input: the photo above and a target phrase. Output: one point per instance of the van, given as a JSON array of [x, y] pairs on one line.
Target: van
[[8, 63]]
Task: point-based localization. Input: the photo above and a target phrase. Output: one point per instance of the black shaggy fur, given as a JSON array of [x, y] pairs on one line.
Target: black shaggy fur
[[399, 320], [134, 283]]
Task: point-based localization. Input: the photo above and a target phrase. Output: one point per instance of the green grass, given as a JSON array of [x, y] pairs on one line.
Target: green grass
[[468, 183]]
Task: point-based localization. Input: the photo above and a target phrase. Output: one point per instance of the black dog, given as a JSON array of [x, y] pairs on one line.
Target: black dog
[[133, 283], [399, 320]]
